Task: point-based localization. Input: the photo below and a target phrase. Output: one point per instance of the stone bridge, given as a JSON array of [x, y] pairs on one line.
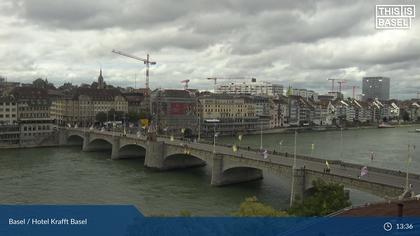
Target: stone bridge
[[230, 167]]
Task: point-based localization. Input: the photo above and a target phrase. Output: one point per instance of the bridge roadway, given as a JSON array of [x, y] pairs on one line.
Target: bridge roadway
[[378, 181]]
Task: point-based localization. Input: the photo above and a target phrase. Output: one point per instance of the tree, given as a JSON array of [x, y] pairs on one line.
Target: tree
[[405, 115], [133, 117], [325, 199], [252, 207], [100, 117], [118, 115], [39, 83]]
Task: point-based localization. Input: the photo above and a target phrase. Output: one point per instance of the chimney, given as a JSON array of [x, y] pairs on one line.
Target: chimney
[[400, 209]]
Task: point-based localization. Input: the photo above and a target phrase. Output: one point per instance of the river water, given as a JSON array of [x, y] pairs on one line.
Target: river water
[[70, 176]]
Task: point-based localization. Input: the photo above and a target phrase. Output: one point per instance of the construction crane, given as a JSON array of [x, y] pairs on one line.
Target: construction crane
[[354, 87], [146, 61], [186, 83], [340, 85], [332, 84], [215, 82]]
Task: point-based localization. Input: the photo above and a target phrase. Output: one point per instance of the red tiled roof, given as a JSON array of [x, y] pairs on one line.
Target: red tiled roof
[[409, 208]]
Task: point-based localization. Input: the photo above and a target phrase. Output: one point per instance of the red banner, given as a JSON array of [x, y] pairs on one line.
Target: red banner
[[178, 108]]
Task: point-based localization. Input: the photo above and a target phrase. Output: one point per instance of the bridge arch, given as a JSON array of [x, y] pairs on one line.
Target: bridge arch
[[239, 174], [182, 160], [132, 151], [75, 139], [98, 144]]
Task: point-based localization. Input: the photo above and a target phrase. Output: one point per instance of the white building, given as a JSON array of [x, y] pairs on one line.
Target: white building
[[252, 88], [8, 110], [304, 93]]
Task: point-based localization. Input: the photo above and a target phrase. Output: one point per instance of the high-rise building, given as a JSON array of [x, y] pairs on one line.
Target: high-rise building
[[376, 87]]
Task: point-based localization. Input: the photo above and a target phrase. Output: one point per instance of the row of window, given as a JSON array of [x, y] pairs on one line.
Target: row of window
[[222, 110], [7, 104], [36, 127], [33, 134], [7, 116], [7, 109], [37, 108], [34, 115]]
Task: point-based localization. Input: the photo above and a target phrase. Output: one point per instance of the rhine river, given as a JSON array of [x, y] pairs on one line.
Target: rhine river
[[70, 176]]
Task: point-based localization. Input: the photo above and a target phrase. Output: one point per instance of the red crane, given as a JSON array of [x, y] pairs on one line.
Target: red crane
[[186, 83], [340, 85], [354, 87]]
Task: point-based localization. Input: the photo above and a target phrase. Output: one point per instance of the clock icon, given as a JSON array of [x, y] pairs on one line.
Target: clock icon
[[387, 226]]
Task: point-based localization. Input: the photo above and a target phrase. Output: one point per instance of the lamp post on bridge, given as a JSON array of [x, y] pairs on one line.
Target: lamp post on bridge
[[261, 136], [292, 189], [408, 165], [214, 121]]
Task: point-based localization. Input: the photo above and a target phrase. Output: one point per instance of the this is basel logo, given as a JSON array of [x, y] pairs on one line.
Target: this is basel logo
[[394, 16]]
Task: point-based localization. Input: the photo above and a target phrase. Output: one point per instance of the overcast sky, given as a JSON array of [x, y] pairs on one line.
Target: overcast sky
[[297, 43]]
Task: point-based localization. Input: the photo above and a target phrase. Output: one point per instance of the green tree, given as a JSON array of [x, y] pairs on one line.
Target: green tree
[[325, 199], [252, 207], [100, 117], [185, 213], [118, 115], [133, 117], [405, 115]]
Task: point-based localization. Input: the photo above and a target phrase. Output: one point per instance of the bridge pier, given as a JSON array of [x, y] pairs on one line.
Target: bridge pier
[[62, 138], [85, 146], [299, 185], [221, 177], [115, 148], [217, 170], [155, 155]]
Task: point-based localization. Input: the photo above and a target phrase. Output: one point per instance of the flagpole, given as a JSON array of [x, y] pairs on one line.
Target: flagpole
[[341, 144], [199, 129], [408, 163], [312, 149], [214, 139], [261, 138], [281, 144], [292, 189]]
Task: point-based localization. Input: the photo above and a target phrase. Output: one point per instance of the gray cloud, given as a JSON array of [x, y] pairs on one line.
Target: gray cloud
[[300, 43]]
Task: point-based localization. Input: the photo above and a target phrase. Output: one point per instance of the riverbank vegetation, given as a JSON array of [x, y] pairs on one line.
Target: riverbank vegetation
[[324, 198]]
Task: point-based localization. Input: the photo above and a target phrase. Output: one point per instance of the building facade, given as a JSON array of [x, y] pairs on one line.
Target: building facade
[[9, 127], [33, 106], [233, 114], [8, 110], [251, 88], [175, 112], [82, 106], [376, 87]]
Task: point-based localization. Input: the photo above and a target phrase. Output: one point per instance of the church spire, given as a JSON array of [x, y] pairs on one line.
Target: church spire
[[101, 83]]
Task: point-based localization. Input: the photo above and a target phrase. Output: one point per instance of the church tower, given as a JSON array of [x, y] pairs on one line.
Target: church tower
[[101, 83]]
